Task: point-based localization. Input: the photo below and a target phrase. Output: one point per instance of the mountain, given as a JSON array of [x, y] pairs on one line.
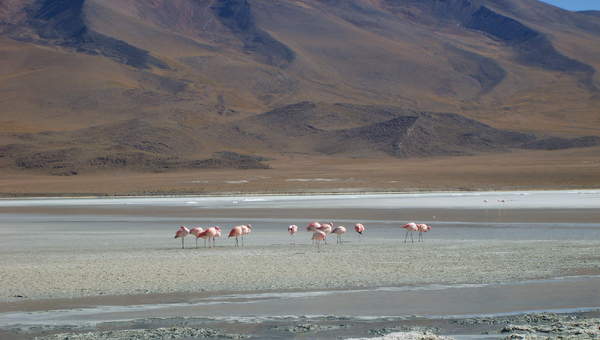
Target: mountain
[[164, 84], [591, 12]]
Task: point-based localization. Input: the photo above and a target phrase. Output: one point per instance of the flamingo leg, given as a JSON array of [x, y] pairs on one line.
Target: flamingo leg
[[182, 246], [196, 243], [405, 236], [412, 237]]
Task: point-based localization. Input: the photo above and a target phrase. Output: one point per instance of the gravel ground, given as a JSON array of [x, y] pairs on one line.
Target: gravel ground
[[31, 274]]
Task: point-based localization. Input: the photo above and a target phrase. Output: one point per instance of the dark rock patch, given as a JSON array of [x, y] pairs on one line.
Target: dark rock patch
[[237, 16], [435, 134], [234, 156], [591, 13], [62, 23], [557, 143], [532, 47]]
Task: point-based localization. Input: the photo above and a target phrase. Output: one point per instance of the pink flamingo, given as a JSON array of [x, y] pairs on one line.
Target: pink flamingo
[[410, 228], [317, 237], [210, 234], [182, 232], [293, 229], [327, 228], [196, 232], [360, 229], [236, 232], [246, 229], [205, 235], [423, 228], [339, 231], [217, 234], [313, 226]]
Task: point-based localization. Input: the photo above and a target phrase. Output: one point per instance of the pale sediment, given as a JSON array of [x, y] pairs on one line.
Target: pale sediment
[[407, 336], [145, 334], [57, 273]]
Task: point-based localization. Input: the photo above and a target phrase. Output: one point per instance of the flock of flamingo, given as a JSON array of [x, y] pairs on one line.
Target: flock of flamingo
[[320, 232]]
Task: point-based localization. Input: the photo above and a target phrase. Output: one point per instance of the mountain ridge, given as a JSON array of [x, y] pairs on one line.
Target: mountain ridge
[[164, 84]]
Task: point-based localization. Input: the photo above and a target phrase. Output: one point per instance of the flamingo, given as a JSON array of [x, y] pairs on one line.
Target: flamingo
[[236, 232], [313, 226], [246, 229], [196, 232], [182, 232], [317, 237], [410, 227], [423, 228], [293, 229], [360, 229], [205, 235], [339, 231], [217, 234], [327, 228], [209, 234]]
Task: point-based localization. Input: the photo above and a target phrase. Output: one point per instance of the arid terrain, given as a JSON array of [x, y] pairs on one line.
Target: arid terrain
[[577, 168], [189, 88]]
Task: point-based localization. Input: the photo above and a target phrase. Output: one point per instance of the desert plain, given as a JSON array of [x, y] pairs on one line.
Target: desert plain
[[537, 170]]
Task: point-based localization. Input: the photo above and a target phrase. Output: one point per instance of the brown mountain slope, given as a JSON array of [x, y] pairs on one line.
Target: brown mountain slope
[[167, 83], [306, 129]]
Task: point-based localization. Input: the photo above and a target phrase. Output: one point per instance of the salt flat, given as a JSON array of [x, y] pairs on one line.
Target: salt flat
[[71, 253]]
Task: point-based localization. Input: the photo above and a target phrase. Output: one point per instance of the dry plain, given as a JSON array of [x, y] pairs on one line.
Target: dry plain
[[537, 170]]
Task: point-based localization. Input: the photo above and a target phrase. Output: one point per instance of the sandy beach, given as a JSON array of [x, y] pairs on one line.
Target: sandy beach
[[73, 255]]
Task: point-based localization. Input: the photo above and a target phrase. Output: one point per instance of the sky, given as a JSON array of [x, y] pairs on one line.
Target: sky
[[576, 5]]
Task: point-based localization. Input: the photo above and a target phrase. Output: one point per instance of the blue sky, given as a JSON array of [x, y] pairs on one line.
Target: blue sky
[[576, 5]]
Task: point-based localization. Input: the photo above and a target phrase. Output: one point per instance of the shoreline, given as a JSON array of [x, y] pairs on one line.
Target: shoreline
[[49, 196], [132, 320], [533, 325], [188, 297]]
